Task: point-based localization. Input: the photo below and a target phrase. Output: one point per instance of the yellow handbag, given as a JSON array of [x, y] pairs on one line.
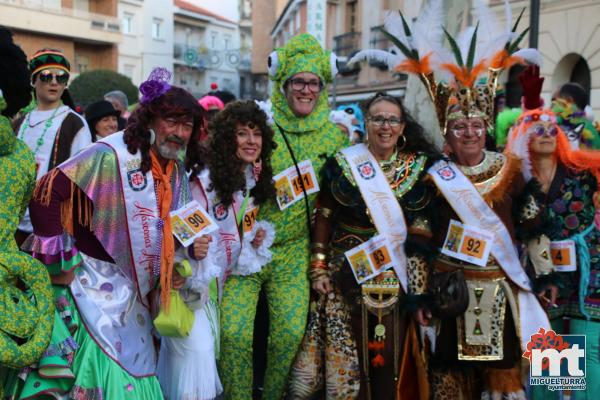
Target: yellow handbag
[[178, 322]]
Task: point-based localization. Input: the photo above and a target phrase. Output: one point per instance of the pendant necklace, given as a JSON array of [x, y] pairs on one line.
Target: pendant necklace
[[47, 126]]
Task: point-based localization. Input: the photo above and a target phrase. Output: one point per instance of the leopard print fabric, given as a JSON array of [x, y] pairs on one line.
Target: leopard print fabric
[[418, 274]]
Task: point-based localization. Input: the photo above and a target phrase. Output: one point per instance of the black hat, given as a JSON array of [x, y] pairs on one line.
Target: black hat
[[99, 110]]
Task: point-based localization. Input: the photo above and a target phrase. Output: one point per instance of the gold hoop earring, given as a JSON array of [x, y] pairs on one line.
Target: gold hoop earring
[[403, 143]]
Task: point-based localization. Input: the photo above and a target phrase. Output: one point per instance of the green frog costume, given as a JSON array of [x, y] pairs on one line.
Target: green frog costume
[[26, 315], [285, 279]]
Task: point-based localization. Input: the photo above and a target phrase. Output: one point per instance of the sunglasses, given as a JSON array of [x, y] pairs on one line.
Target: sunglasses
[[61, 77], [539, 130]]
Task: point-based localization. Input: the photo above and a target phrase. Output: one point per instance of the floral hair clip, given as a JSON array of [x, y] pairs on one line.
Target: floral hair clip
[[156, 85], [539, 116]]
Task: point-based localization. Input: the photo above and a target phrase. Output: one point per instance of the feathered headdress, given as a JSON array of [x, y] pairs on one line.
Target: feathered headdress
[[419, 50]]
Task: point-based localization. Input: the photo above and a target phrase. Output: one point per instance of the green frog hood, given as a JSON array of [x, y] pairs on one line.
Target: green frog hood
[[301, 54], [7, 136]]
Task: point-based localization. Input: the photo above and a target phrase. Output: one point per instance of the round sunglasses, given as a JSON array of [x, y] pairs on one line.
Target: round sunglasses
[[539, 130], [61, 77]]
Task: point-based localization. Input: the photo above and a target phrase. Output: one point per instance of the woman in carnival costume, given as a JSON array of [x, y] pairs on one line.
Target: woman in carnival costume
[[232, 187], [569, 180], [25, 291], [482, 309], [304, 137], [102, 227], [356, 328]]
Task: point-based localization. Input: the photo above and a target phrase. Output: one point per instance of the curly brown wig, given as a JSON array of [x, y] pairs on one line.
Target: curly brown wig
[[226, 169], [175, 103]]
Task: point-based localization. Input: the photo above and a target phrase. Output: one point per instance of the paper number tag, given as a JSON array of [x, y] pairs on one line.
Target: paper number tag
[[190, 222], [249, 219], [370, 258], [468, 243], [288, 186], [563, 255]]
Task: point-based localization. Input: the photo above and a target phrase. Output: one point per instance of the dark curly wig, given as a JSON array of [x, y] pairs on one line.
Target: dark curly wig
[[175, 103], [226, 169], [416, 139], [15, 78]]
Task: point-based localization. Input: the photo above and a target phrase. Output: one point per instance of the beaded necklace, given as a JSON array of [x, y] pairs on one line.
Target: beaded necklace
[[47, 126]]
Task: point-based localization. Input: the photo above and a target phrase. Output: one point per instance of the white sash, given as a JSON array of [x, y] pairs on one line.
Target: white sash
[[380, 200], [229, 236], [142, 214], [473, 210]]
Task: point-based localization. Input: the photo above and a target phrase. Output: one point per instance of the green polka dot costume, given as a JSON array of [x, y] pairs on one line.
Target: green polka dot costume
[[25, 315], [285, 279]]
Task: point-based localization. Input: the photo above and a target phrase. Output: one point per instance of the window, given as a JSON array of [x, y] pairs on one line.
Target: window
[[82, 62], [157, 28], [298, 21], [213, 40], [351, 16], [127, 23], [128, 70], [226, 41]]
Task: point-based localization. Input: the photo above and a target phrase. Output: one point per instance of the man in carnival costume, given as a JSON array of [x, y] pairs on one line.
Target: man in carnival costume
[[53, 130], [476, 293], [569, 179], [26, 320], [110, 204], [304, 137]]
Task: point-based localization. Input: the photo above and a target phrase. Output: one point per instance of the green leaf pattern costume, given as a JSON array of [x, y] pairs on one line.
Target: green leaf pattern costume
[[25, 316]]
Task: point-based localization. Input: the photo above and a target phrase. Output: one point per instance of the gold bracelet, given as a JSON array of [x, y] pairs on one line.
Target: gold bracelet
[[318, 245], [318, 257], [318, 265]]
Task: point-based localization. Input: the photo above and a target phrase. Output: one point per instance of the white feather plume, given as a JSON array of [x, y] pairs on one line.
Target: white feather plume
[[507, 16], [427, 29], [464, 41], [392, 23], [532, 56], [391, 59]]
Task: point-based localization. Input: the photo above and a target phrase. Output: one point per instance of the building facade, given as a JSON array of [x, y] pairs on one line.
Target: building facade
[[87, 31], [206, 50], [569, 41]]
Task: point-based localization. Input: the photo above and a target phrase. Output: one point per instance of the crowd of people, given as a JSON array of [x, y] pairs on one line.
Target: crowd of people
[[135, 242]]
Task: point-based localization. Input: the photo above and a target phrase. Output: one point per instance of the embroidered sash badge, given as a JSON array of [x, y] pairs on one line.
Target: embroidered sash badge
[[135, 177], [366, 170], [220, 212], [446, 173]]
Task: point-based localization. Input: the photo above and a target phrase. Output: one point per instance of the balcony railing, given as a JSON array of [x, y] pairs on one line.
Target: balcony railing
[[378, 41], [346, 43]]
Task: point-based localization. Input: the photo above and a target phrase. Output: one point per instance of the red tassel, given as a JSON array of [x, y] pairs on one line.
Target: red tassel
[[378, 361], [376, 345]]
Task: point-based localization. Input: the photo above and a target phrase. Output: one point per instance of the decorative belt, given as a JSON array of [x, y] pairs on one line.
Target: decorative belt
[[445, 264]]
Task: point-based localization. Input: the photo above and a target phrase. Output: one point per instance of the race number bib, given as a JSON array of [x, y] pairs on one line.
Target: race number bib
[[370, 258], [563, 255], [249, 219], [288, 185], [190, 222], [468, 243]]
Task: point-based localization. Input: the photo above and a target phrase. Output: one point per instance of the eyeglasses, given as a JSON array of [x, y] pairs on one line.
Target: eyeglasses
[[381, 121], [61, 77], [539, 130], [298, 84]]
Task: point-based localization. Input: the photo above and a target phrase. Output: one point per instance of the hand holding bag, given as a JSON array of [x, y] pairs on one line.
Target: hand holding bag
[[179, 319]]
